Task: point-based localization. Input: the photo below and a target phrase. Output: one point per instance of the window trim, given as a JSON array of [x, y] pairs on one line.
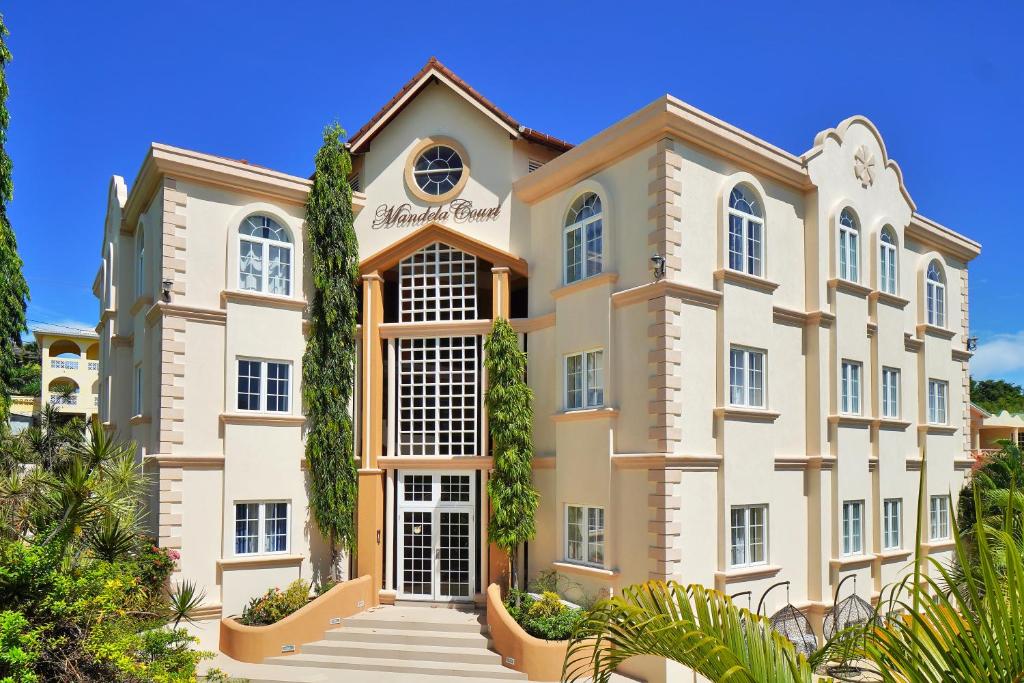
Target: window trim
[[933, 407], [261, 538], [746, 219], [852, 552], [843, 395], [932, 518], [140, 260], [855, 233], [586, 537], [896, 503], [263, 386], [746, 387], [746, 535], [581, 225], [897, 398], [138, 384], [585, 375], [892, 248], [265, 243], [934, 311]]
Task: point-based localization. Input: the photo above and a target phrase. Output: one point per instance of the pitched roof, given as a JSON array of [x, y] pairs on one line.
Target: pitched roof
[[432, 70], [64, 330], [435, 232]]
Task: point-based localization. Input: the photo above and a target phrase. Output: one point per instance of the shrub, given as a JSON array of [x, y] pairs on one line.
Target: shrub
[[275, 604], [155, 566], [324, 586], [547, 618]]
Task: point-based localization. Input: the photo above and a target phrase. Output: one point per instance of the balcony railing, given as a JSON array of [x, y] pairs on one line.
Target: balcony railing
[[58, 400], [94, 365], [64, 364]]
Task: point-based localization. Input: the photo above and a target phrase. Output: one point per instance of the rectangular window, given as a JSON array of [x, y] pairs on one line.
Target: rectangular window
[[746, 377], [261, 528], [849, 253], [937, 391], [584, 534], [748, 535], [939, 518], [850, 390], [890, 392], [584, 248], [137, 392], [892, 523], [853, 527], [584, 380], [888, 268], [254, 394]]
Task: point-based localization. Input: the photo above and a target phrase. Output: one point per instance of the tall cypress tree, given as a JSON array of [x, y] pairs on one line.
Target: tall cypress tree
[[514, 500], [328, 366], [13, 288]]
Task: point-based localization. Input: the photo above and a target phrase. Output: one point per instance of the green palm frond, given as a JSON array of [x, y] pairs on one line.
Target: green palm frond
[[695, 626], [184, 600]]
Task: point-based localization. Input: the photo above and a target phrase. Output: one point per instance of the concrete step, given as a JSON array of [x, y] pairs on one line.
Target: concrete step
[[426, 668], [391, 652], [412, 622], [405, 636]]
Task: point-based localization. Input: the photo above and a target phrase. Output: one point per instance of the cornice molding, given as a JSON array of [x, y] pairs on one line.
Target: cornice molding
[[888, 299], [697, 296], [741, 414], [214, 316], [261, 299], [586, 414], [188, 462], [735, 277], [607, 278], [843, 420], [262, 419], [421, 462], [662, 461], [924, 329], [856, 289]]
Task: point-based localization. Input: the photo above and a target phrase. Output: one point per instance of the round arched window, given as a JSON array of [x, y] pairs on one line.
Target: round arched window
[[438, 170]]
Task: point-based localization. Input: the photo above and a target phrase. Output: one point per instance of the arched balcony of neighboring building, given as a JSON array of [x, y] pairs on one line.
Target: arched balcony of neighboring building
[[64, 354], [92, 355], [63, 391]]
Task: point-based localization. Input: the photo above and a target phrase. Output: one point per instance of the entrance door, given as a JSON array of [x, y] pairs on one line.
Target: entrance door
[[436, 530]]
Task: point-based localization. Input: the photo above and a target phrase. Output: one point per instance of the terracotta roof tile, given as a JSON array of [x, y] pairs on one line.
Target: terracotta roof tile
[[358, 139]]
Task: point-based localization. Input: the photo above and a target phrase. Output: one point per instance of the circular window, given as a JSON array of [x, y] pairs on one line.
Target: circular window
[[437, 169]]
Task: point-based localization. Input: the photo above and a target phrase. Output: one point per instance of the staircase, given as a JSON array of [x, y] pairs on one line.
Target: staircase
[[396, 644]]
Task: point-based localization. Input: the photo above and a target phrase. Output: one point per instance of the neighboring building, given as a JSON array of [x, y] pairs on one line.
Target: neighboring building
[[23, 412], [987, 430], [70, 360], [742, 359]]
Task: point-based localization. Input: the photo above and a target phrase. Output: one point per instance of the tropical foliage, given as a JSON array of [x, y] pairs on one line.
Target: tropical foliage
[[13, 288], [928, 628], [83, 593], [514, 500], [996, 395], [276, 604], [328, 366], [546, 617]]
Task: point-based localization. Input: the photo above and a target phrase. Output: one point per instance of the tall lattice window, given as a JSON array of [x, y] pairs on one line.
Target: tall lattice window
[[437, 396], [438, 283]]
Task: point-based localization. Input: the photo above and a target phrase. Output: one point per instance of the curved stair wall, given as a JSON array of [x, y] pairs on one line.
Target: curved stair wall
[[255, 643], [540, 660]]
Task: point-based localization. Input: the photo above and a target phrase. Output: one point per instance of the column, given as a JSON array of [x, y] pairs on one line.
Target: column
[[500, 292], [370, 513]]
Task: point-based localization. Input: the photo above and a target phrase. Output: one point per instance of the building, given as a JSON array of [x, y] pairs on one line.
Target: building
[[743, 359], [23, 412], [70, 361], [987, 430]]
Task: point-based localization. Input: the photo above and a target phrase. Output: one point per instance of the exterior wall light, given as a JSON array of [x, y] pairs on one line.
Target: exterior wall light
[[658, 263], [972, 343], [166, 289]]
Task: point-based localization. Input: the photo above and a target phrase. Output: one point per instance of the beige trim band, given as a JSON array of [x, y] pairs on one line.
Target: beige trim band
[[419, 462], [606, 278], [261, 299], [735, 277], [263, 419], [697, 296], [259, 561]]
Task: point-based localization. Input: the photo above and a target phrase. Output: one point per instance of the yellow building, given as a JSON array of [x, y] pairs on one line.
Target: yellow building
[[70, 363], [743, 358]]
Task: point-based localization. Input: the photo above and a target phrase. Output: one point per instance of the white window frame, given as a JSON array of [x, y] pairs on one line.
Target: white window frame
[[137, 387], [581, 227], [888, 264], [939, 518], [140, 261], [892, 524], [747, 526], [587, 372], [849, 534], [265, 245], [745, 375], [261, 538], [848, 249], [891, 392], [938, 402], [263, 380], [935, 297], [850, 386], [746, 220], [585, 542]]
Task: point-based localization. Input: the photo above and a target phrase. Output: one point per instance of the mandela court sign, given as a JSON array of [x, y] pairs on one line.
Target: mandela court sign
[[388, 216]]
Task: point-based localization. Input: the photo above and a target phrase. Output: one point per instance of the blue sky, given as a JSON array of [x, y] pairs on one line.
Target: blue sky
[[91, 88]]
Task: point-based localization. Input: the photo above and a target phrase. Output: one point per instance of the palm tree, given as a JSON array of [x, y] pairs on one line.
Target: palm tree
[[929, 635]]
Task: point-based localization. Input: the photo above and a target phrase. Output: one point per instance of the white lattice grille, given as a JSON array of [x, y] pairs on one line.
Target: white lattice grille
[[418, 560], [453, 554], [438, 283], [437, 396]]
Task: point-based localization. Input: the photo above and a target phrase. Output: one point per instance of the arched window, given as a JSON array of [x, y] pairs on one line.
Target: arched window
[[887, 260], [140, 260], [584, 239], [849, 247], [935, 295], [746, 225], [264, 256]]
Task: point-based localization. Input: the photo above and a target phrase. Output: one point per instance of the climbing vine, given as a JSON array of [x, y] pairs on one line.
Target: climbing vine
[[328, 366], [13, 288], [514, 500]]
